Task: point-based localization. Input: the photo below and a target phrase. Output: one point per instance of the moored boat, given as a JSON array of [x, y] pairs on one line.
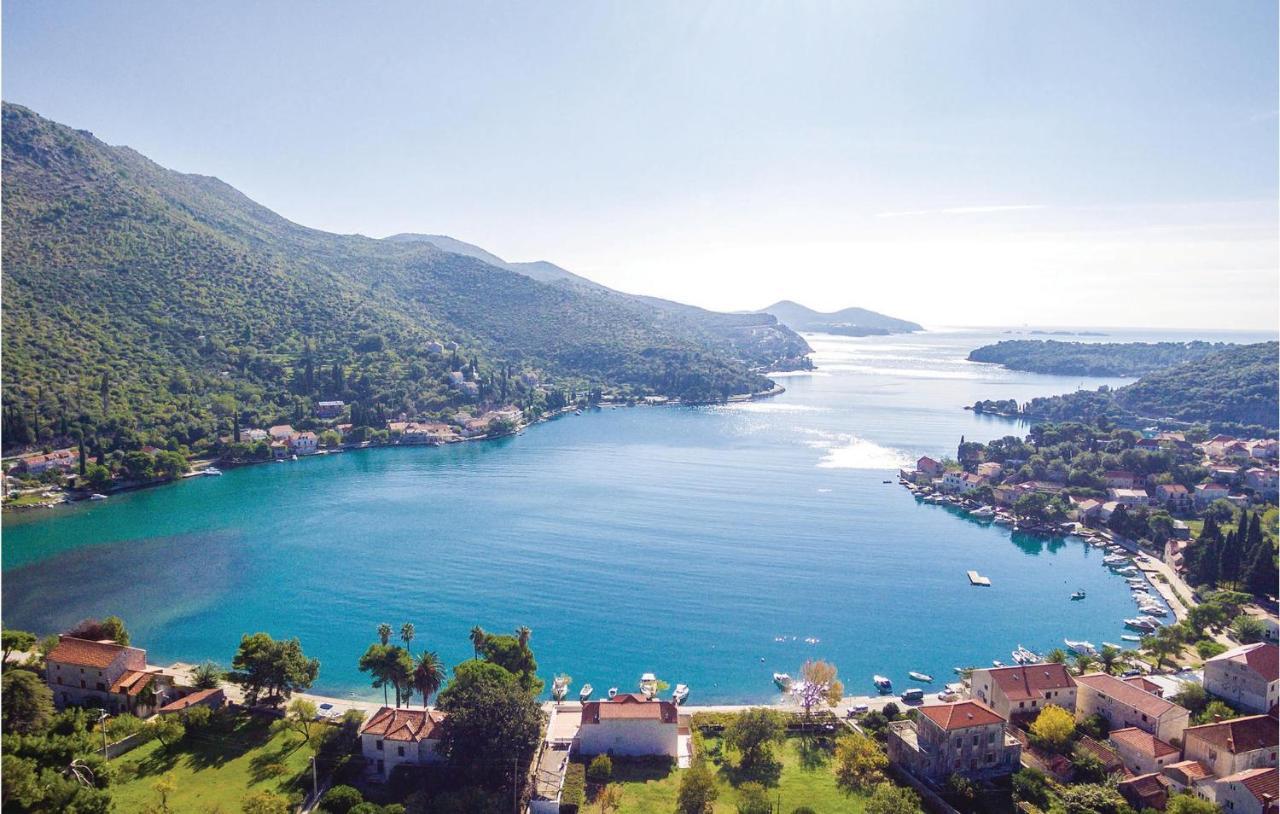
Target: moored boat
[[925, 677], [783, 680], [1083, 647], [587, 689], [96, 496], [560, 687], [613, 692], [1078, 595], [883, 684], [680, 694]]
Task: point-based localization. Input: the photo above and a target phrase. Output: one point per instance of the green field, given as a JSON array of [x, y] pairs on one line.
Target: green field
[[213, 770], [806, 779]]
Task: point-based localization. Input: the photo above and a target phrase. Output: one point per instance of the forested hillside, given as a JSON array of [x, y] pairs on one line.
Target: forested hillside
[[1229, 389], [1092, 358], [142, 304]]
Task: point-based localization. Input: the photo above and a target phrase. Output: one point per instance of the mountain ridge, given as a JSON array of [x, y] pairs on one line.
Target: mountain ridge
[[847, 321]]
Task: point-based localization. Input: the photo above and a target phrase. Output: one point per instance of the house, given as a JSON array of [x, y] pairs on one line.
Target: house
[[1260, 480], [1124, 705], [214, 699], [630, 725], [1146, 685], [1206, 493], [1086, 509], [928, 466], [1247, 678], [329, 409], [1173, 496], [1232, 746], [61, 460], [1021, 692], [303, 443], [427, 432], [1226, 475], [1265, 449], [961, 482], [1181, 531], [990, 469], [279, 449], [1107, 509], [254, 434], [1106, 754], [1142, 752], [1121, 479], [281, 432], [1192, 777], [1131, 498], [1147, 791], [966, 738], [1249, 792], [1216, 446], [114, 677], [396, 737], [1270, 622]]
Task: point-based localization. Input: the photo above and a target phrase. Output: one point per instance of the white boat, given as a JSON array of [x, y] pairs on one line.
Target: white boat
[[96, 496], [209, 470], [1153, 610], [782, 680], [560, 687], [680, 694], [925, 677], [983, 511], [1129, 637], [1115, 559], [997, 663], [883, 684], [1140, 623], [613, 692], [648, 684], [1112, 645], [586, 692], [1083, 647], [1078, 595], [1024, 656]]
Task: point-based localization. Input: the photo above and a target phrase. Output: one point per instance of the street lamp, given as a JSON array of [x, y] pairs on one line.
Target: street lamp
[[102, 724]]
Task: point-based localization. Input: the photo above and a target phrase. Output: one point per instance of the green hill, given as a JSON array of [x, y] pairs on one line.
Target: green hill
[[847, 321], [1236, 387], [144, 304], [1091, 358]]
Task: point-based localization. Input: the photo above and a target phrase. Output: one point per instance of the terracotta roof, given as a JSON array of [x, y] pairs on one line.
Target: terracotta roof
[[1104, 752], [1145, 787], [1189, 771], [190, 700], [85, 653], [1030, 681], [631, 706], [1238, 735], [131, 682], [1261, 658], [1263, 783], [1141, 742], [1126, 694], [412, 725], [961, 714], [1145, 684]]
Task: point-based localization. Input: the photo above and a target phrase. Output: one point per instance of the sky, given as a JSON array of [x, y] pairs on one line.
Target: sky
[[953, 163]]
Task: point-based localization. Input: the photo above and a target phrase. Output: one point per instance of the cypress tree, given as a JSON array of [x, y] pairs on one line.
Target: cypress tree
[[1260, 572], [82, 456], [1231, 558]]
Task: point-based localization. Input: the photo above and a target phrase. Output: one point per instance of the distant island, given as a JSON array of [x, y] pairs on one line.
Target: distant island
[[1092, 358], [846, 322], [1232, 389]]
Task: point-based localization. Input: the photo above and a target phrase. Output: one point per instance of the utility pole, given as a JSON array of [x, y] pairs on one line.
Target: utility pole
[[315, 782], [102, 724]]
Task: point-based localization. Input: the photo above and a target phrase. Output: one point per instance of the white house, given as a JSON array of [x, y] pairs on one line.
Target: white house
[[82, 672], [630, 725], [396, 737], [1256, 791], [1129, 497], [1248, 677], [1206, 493], [303, 443]]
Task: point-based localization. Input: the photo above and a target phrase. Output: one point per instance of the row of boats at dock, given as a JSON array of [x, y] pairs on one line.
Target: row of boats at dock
[[648, 688]]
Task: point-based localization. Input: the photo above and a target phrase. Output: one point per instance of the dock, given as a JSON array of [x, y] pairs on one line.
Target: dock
[[978, 579]]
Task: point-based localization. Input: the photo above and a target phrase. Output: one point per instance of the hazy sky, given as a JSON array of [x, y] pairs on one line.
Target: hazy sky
[[950, 162]]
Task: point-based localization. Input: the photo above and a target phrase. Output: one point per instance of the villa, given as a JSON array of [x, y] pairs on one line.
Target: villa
[[303, 443], [398, 737], [1206, 493], [103, 674], [1229, 747], [1142, 752], [966, 738], [1124, 705], [281, 432], [1021, 692], [1131, 498], [1248, 677], [1174, 496], [630, 725]]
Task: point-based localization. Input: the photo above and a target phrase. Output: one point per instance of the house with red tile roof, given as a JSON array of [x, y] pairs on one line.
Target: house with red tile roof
[[928, 466], [966, 738], [1145, 791], [630, 725], [103, 674], [1192, 777], [397, 737], [1250, 792], [1232, 746], [1174, 496], [1142, 752], [1247, 678], [1106, 754], [1123, 705], [1146, 685], [214, 698], [1022, 691]]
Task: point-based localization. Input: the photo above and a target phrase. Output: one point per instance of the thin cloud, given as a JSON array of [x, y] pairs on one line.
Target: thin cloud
[[960, 210]]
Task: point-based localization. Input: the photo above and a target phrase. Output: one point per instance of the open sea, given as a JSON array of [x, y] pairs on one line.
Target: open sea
[[705, 544]]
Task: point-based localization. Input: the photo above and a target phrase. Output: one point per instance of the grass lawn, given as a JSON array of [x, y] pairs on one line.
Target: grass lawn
[[213, 770], [806, 779]]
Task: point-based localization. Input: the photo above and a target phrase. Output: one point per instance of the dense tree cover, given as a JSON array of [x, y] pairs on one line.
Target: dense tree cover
[[267, 668], [1092, 358], [514, 655], [752, 734], [493, 723], [96, 630], [1242, 558], [148, 306], [54, 768], [26, 702], [1232, 390]]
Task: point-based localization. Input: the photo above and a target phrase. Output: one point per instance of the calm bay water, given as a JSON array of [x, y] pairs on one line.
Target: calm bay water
[[683, 541]]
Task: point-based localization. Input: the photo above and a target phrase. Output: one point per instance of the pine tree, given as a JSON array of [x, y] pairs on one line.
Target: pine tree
[[235, 425], [82, 456], [1260, 573], [104, 390], [1231, 558]]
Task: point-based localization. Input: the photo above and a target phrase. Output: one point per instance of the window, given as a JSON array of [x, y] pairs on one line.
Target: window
[[991, 737], [400, 751], [379, 748], [1021, 704], [102, 687]]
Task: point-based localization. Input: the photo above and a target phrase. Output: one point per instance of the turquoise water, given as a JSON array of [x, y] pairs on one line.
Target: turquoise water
[[683, 541]]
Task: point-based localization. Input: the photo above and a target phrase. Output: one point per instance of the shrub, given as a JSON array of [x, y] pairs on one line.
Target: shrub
[[600, 770], [341, 799], [1207, 648], [574, 792], [753, 799]]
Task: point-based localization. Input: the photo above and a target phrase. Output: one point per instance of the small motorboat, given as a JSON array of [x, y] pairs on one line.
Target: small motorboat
[[925, 677], [1112, 645], [1077, 596], [1024, 656], [983, 512], [613, 692], [883, 684], [1140, 623], [96, 496], [1082, 647], [782, 680], [587, 689], [997, 663], [209, 470], [648, 684], [1129, 637], [560, 687], [680, 694]]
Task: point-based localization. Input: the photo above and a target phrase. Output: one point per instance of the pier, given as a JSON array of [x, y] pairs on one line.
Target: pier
[[978, 579]]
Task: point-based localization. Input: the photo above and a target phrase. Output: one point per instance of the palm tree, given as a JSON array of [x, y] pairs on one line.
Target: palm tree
[[524, 633], [428, 675], [1110, 658], [1083, 662], [406, 634], [384, 632], [477, 639]]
